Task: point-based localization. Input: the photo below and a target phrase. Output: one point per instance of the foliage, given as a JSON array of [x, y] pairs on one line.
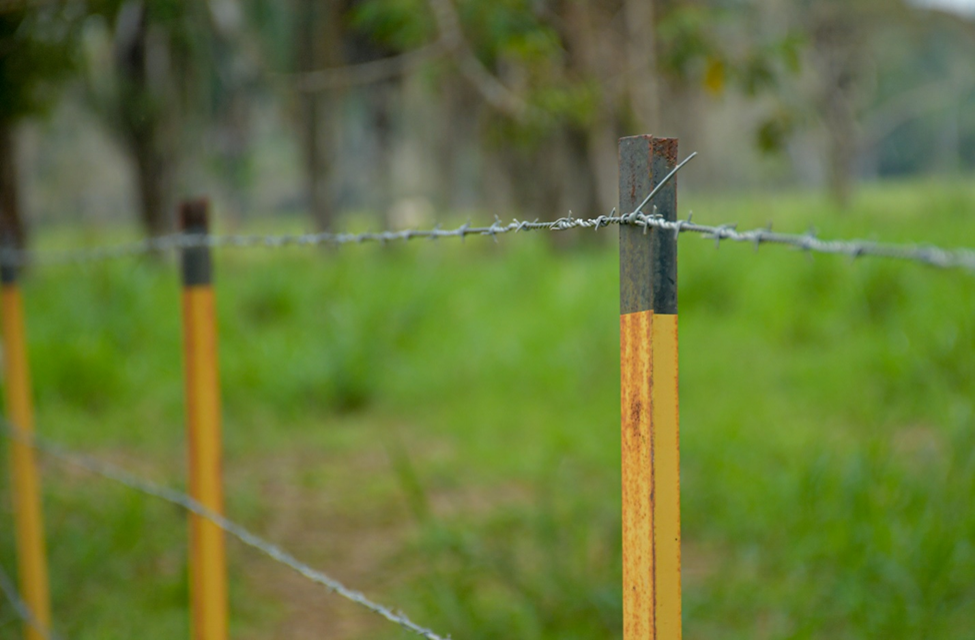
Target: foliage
[[36, 47], [699, 45], [827, 420], [180, 73]]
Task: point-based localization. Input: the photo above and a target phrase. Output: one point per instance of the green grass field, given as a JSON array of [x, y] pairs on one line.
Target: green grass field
[[438, 425]]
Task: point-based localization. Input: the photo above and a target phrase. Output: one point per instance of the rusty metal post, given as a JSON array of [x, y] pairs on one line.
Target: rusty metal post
[[208, 564], [648, 366], [28, 512]]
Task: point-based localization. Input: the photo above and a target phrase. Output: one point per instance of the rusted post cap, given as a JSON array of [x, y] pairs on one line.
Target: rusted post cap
[[194, 215]]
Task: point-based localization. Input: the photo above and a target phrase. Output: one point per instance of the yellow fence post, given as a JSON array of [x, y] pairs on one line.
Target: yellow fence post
[[208, 564], [28, 514], [648, 365]]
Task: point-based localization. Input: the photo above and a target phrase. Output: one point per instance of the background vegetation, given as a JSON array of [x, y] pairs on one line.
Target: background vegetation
[[404, 109], [437, 424]]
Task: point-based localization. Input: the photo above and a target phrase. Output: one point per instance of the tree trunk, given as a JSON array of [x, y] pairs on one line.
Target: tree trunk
[[587, 28], [154, 178], [603, 156], [641, 62], [319, 46], [319, 206], [837, 48], [145, 110], [10, 214], [841, 141]]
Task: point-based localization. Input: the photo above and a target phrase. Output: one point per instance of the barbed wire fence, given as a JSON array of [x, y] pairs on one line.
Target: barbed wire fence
[[120, 476], [929, 255], [22, 611], [934, 256]]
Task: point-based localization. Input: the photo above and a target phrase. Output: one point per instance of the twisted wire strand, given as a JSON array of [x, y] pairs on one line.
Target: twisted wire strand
[[962, 258], [21, 608], [116, 474]]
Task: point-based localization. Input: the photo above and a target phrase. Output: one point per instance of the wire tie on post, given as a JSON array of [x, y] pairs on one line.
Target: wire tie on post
[[646, 221]]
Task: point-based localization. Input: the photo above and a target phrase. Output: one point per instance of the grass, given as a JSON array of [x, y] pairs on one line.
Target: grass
[[438, 425]]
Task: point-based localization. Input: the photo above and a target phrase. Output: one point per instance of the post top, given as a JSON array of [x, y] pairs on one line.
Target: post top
[[197, 266], [193, 215], [648, 257], [8, 247], [663, 146]]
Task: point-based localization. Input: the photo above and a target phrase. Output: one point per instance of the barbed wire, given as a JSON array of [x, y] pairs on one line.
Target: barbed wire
[[116, 474], [960, 258], [20, 607]]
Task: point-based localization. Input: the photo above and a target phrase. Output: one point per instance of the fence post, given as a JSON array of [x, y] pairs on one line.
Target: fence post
[[28, 513], [208, 564], [648, 367]]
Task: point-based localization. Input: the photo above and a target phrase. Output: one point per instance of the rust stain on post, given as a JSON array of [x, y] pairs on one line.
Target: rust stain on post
[[651, 476], [638, 487]]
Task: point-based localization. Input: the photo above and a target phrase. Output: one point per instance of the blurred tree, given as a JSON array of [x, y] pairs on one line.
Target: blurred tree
[[570, 76], [312, 39], [160, 63], [840, 63], [233, 87], [35, 55], [641, 58], [318, 44], [838, 37], [925, 83]]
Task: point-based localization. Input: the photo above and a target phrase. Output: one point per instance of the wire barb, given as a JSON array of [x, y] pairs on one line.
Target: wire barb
[[116, 474]]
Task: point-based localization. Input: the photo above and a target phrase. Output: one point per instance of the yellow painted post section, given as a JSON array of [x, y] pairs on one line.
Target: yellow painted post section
[[636, 370], [665, 463], [651, 477], [31, 557], [208, 564]]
